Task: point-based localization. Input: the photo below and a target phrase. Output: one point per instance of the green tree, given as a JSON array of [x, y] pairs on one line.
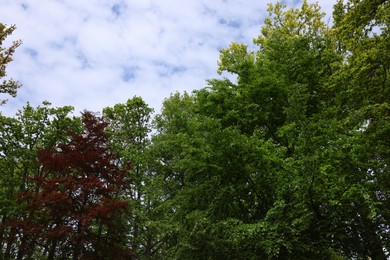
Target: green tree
[[212, 176], [363, 32], [7, 86], [128, 128], [285, 82], [279, 164]]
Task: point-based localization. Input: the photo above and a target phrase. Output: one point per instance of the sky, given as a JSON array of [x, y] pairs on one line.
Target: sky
[[91, 54]]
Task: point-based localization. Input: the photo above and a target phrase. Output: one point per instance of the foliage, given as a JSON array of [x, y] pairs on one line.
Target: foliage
[[289, 161], [31, 130], [75, 210], [7, 86], [128, 129]]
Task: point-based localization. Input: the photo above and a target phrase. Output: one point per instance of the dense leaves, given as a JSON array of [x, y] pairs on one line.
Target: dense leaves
[[75, 210], [291, 160], [128, 129], [31, 130], [288, 161]]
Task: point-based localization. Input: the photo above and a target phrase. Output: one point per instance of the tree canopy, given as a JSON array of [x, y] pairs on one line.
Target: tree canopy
[[288, 161]]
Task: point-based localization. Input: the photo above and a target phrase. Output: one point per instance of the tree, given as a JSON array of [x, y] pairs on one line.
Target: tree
[[363, 34], [213, 179], [22, 136], [7, 86], [291, 160], [128, 129], [76, 209]]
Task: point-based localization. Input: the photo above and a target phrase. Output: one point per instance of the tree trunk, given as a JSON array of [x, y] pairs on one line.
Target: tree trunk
[[52, 250]]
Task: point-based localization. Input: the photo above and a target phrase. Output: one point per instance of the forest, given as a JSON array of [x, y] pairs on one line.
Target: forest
[[288, 161]]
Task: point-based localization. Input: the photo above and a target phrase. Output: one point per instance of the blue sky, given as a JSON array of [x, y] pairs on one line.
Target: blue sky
[[96, 53]]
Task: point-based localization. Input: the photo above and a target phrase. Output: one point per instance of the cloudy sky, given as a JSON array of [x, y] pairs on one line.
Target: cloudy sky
[[96, 53]]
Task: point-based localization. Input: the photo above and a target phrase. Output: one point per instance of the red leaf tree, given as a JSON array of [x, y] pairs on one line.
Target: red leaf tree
[[77, 209]]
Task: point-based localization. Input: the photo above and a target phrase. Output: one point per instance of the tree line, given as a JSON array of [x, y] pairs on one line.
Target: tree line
[[288, 161]]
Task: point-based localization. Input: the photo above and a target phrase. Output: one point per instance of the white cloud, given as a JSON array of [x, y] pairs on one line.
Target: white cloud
[[96, 53]]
